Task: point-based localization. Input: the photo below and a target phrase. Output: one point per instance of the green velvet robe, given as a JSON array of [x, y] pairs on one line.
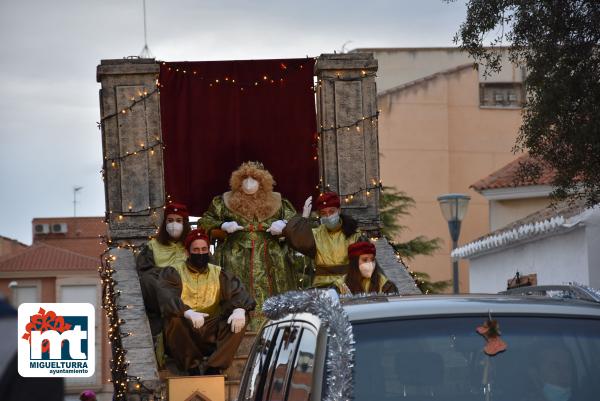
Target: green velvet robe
[[260, 260]]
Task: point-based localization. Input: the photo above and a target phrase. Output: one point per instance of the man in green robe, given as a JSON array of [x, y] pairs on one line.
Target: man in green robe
[[253, 216]]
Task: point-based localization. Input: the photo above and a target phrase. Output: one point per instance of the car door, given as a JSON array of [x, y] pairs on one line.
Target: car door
[[281, 364]]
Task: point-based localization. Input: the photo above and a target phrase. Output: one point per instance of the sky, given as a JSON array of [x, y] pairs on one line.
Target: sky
[[49, 50]]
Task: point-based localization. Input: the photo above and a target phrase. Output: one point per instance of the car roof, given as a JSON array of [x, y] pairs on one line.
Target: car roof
[[385, 307]]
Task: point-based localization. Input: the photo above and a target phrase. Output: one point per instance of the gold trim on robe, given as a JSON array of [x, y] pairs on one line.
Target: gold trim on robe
[[201, 291], [167, 255], [332, 251]]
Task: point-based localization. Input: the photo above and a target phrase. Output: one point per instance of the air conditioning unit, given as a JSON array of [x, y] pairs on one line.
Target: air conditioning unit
[[58, 228], [499, 97], [41, 228], [512, 97]]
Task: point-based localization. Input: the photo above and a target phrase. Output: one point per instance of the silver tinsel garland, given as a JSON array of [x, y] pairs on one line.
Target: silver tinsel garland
[[340, 345], [592, 292]]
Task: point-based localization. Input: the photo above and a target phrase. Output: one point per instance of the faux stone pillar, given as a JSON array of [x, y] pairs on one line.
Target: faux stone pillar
[[347, 121], [134, 190], [349, 149], [132, 147]]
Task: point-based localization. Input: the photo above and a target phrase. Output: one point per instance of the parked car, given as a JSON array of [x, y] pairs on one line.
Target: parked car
[[427, 348], [557, 291]]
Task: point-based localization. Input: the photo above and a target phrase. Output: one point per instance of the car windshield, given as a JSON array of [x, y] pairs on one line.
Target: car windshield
[[443, 359]]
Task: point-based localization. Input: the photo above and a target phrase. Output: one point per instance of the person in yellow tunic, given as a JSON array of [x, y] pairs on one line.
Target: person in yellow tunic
[[326, 243], [204, 310], [364, 275], [253, 217], [166, 249]]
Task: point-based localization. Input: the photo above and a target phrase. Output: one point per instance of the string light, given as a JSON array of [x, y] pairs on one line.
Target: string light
[[339, 77], [226, 80], [349, 197], [123, 383], [142, 98], [113, 160], [119, 376], [372, 119]]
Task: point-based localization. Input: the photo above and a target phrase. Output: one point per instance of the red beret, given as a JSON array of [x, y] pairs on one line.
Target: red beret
[[327, 199], [361, 248], [193, 236], [178, 209]]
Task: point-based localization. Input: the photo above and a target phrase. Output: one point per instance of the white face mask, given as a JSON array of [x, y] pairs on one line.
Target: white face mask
[[367, 269], [250, 185], [331, 222], [174, 229]]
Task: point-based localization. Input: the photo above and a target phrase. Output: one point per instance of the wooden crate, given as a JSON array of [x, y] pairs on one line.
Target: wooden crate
[[196, 388]]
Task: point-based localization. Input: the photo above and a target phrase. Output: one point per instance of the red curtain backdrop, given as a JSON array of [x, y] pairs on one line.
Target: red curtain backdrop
[[217, 114]]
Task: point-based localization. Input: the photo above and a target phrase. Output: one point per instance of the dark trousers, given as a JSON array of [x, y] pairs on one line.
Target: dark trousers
[[188, 345], [149, 281]]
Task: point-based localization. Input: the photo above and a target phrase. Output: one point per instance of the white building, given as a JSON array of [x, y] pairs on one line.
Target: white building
[[557, 245]]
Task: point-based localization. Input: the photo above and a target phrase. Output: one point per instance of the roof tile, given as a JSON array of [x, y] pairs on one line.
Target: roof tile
[[508, 177], [43, 257]]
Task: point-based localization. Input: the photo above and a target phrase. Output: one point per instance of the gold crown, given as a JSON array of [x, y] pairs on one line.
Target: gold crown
[[256, 164]]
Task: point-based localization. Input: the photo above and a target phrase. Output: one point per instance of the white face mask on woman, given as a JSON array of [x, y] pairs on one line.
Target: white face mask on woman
[[367, 269], [174, 229], [250, 185]]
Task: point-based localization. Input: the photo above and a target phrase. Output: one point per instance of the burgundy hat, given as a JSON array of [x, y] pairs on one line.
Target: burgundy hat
[[193, 236], [87, 395], [361, 248], [178, 209], [327, 199]]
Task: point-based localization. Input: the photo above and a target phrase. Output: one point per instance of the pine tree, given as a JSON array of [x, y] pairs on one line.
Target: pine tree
[[393, 205]]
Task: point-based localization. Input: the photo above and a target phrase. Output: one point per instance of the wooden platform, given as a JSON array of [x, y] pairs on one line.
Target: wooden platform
[[231, 376]]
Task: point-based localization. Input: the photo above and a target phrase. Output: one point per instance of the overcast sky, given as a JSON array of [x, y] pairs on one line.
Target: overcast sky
[[49, 51]]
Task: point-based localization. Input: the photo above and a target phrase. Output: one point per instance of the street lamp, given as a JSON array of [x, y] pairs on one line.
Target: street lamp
[[454, 208]]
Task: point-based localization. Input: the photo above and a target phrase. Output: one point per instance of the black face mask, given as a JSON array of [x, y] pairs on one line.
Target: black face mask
[[198, 262]]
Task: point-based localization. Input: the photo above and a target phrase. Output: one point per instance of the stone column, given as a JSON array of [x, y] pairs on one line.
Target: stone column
[[132, 147], [134, 190], [349, 148], [347, 121]]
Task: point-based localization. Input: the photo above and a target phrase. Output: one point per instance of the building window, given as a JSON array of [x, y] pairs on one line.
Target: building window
[[501, 94], [23, 291]]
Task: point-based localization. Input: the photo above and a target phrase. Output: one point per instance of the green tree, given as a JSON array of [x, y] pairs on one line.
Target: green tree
[[558, 42], [393, 205]]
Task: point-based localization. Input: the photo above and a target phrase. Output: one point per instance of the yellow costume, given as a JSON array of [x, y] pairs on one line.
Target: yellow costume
[[215, 292], [329, 249], [200, 291], [167, 255], [331, 259]]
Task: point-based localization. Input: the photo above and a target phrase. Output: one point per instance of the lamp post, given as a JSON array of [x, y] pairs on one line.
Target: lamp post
[[454, 208]]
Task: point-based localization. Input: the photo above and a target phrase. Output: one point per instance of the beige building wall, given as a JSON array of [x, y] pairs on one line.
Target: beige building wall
[[398, 66], [504, 212], [434, 139]]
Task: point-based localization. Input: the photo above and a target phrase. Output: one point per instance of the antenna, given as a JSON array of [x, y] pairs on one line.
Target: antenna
[[146, 50], [75, 190]]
